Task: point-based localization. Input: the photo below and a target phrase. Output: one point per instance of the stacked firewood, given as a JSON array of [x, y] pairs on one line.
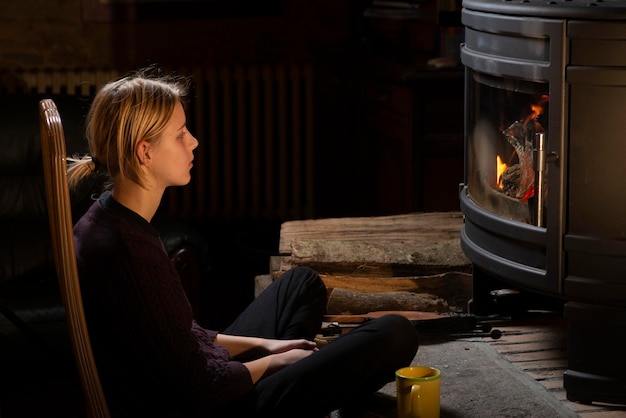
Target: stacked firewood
[[410, 262]]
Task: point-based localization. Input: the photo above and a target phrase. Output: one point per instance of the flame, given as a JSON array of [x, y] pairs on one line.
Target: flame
[[500, 169], [537, 108]]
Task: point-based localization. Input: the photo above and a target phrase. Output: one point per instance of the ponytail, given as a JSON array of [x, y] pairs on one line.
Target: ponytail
[[81, 167]]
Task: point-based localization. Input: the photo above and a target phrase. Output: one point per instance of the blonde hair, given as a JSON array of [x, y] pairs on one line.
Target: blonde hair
[[123, 113]]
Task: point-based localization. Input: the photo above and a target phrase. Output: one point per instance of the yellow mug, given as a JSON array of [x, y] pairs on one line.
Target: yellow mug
[[418, 389]]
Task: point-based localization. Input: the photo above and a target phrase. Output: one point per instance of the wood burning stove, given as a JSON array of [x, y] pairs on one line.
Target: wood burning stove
[[543, 198]]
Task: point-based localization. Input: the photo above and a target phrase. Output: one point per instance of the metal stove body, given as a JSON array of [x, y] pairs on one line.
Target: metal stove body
[[544, 196]]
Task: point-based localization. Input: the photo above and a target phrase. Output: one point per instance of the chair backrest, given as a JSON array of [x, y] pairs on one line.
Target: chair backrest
[[60, 214]]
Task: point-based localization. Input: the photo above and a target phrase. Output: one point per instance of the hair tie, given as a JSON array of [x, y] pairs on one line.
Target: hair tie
[[96, 163]]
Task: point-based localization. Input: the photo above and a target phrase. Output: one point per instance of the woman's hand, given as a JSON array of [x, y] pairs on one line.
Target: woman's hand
[[267, 365], [266, 355]]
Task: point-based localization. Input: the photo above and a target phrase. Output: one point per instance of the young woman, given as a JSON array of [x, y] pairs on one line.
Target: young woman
[[154, 359]]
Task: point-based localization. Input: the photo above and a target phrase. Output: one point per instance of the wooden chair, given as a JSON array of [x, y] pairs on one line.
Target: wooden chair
[[58, 202]]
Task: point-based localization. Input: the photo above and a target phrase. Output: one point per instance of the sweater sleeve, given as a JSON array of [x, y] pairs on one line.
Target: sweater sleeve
[[239, 381]]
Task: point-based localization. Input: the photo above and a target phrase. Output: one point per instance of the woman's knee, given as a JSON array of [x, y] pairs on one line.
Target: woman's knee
[[400, 333], [309, 277], [305, 273]]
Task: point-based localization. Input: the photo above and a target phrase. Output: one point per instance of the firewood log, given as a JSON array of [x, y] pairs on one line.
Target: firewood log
[[346, 302]]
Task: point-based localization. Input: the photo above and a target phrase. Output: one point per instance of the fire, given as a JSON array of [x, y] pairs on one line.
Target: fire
[[537, 109], [521, 179], [500, 169]]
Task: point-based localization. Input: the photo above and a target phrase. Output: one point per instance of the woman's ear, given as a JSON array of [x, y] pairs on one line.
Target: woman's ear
[[143, 152]]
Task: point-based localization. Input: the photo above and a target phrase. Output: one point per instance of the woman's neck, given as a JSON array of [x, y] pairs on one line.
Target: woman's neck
[[140, 200]]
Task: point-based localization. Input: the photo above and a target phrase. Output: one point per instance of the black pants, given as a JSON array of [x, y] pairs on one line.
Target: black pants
[[339, 374]]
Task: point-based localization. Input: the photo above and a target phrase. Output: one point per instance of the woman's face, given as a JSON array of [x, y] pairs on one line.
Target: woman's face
[[172, 155]]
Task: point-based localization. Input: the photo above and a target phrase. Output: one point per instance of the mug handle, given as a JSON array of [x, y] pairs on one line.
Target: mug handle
[[415, 401]]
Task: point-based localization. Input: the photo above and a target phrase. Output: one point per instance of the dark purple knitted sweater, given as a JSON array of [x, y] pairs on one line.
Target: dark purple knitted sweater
[[152, 356]]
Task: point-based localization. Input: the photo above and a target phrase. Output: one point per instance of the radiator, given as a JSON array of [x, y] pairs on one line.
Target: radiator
[[76, 82], [255, 158], [255, 128]]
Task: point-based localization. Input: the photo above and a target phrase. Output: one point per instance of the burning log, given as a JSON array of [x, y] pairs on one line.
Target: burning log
[[511, 179], [519, 178]]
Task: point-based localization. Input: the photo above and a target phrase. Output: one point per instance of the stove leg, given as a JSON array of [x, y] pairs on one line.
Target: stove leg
[[483, 303], [492, 296], [596, 369]]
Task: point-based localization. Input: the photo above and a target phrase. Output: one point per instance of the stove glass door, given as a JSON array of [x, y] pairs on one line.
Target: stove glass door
[[506, 138]]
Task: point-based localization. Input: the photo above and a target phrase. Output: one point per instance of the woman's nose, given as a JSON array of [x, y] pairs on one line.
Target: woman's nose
[[194, 142]]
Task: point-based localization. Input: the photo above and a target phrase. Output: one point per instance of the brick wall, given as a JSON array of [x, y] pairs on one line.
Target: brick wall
[[46, 34]]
